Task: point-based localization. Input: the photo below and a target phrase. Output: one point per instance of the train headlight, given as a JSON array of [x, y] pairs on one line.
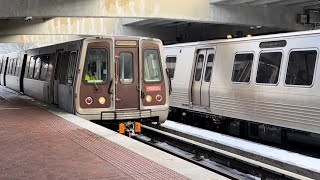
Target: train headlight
[[148, 98], [89, 100], [102, 100], [159, 98]]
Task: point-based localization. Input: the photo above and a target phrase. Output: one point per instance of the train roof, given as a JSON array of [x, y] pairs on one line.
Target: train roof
[[95, 37], [254, 38]]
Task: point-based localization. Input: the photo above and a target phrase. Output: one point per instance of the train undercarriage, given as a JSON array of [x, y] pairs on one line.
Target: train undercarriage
[[258, 132]]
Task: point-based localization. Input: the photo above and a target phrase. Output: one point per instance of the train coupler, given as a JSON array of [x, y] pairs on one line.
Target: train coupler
[[129, 128]]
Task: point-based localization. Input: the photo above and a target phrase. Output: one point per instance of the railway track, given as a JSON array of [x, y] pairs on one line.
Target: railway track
[[227, 161]]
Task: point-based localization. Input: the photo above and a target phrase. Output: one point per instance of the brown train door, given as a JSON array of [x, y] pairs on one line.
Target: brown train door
[[127, 78]]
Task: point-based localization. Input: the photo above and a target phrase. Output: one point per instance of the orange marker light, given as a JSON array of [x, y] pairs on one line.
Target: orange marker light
[[121, 128], [137, 127]]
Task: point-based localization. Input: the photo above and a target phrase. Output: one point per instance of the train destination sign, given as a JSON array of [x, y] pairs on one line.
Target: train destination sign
[[153, 88], [273, 44]]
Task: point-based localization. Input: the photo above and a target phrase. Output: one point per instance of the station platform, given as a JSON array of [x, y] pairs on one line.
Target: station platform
[[39, 141]]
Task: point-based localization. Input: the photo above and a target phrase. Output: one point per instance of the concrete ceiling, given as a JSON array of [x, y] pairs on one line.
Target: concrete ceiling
[[169, 20]]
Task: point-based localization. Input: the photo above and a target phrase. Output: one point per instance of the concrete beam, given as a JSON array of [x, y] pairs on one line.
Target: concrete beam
[[64, 29], [264, 2], [38, 39], [290, 2], [231, 2], [276, 17], [193, 9], [307, 4]]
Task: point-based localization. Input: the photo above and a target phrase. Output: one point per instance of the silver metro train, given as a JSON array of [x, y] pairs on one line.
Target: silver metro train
[[259, 87], [110, 78]]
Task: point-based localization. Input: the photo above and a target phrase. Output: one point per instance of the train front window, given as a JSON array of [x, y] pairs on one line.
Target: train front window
[[152, 66], [126, 67], [242, 67], [96, 70], [301, 67], [269, 67]]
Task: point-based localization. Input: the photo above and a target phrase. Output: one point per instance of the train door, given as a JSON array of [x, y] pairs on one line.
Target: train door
[[56, 76], [127, 78], [66, 79], [202, 77]]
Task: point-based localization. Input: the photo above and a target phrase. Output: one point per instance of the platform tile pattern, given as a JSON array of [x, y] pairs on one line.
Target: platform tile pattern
[[36, 144]]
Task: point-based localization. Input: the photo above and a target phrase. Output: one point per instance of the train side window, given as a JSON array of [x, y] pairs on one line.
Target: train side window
[[18, 68], [209, 66], [301, 67], [37, 68], [9, 66], [171, 66], [12, 66], [197, 75], [269, 67], [31, 67], [71, 67], [126, 68], [1, 61], [1, 67], [242, 67], [44, 68], [15, 68], [96, 68], [152, 66]]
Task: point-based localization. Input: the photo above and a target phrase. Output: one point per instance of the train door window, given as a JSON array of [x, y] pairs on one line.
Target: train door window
[[44, 68], [64, 67], [37, 68], [152, 66], [199, 67], [31, 67], [301, 67], [71, 67], [171, 65], [126, 67], [269, 67], [242, 67], [96, 69], [207, 76]]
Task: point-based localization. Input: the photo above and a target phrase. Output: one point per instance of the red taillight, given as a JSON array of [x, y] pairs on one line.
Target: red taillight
[[159, 98], [89, 100]]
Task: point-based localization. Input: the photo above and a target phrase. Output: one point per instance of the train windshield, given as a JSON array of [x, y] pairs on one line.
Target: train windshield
[[96, 65], [152, 66]]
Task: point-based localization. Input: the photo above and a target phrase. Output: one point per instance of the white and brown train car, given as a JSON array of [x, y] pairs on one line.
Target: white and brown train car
[[109, 78], [266, 86]]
